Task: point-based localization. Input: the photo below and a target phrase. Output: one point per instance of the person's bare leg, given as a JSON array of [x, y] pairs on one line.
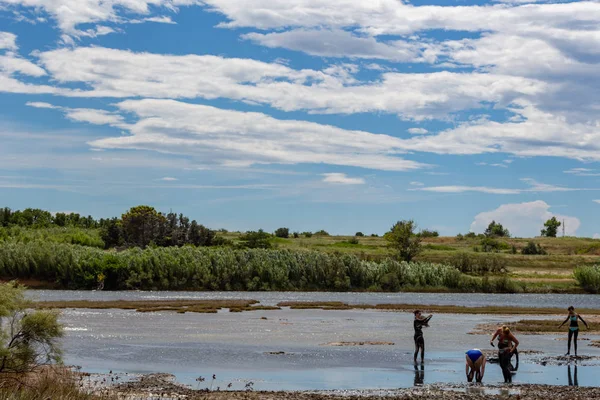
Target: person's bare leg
[[482, 368], [467, 369]]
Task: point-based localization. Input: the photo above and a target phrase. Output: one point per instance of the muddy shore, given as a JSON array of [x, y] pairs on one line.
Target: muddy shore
[[163, 386]]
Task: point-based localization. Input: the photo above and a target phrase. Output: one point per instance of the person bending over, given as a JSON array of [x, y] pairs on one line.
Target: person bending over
[[419, 323], [475, 365], [573, 328]]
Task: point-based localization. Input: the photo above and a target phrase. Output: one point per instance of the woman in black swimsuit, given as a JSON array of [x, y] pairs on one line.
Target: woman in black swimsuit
[[573, 328], [419, 323]]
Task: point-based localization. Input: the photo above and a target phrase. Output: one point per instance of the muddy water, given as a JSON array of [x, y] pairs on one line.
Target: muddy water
[[237, 347]]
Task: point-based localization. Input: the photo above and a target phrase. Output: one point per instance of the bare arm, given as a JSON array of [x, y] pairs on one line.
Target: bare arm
[[494, 336], [586, 325], [565, 321]]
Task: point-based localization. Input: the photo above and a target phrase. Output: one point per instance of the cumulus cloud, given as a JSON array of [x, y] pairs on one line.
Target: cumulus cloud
[[342, 179], [596, 235], [523, 219], [235, 138]]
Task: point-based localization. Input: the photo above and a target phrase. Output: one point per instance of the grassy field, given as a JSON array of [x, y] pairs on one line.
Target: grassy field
[[553, 271]]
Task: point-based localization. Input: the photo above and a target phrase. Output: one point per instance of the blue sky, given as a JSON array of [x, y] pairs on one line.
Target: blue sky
[[342, 115]]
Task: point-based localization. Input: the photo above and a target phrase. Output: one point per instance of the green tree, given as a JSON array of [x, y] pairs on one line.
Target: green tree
[[551, 227], [112, 233], [282, 233], [403, 241], [359, 234], [256, 240], [141, 225], [495, 229], [28, 339]]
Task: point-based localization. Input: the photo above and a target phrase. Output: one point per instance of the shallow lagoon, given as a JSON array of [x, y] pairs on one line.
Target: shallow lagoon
[[236, 347]]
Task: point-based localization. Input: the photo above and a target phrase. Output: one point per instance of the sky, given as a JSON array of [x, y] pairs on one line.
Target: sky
[[343, 115]]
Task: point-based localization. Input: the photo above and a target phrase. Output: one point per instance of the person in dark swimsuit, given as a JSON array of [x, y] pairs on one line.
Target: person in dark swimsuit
[[573, 328], [507, 345], [475, 366], [418, 324]]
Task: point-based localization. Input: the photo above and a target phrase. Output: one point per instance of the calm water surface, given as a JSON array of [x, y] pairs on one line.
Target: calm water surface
[[236, 346]]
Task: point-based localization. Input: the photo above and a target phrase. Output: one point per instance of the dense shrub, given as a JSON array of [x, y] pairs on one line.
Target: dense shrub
[[322, 233], [359, 234], [426, 233], [204, 268], [490, 245], [533, 249], [283, 233], [588, 278], [478, 265]]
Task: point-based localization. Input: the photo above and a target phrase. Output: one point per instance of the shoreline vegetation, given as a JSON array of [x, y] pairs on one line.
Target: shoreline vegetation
[[213, 306], [148, 250]]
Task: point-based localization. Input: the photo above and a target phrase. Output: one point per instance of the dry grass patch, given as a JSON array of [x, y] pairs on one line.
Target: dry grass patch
[[179, 306]]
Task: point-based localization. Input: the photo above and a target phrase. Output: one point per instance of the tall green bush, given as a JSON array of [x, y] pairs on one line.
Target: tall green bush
[[588, 278], [208, 268]]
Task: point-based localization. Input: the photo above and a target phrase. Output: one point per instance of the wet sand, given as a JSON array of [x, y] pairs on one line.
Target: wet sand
[[162, 386]]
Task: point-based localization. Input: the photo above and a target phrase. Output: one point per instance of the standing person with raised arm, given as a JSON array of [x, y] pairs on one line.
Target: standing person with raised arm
[[573, 328], [418, 324]]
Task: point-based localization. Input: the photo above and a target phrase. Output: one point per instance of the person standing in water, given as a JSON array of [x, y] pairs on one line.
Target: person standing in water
[[573, 328], [475, 366], [507, 345], [419, 323]]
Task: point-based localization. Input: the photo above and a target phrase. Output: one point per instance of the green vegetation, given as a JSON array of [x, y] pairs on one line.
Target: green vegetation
[[493, 255], [495, 229], [27, 339], [403, 241], [200, 268], [551, 227], [533, 248], [589, 278]]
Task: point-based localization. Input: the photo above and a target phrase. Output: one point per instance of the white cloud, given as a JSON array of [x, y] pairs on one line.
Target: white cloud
[[342, 179], [69, 14], [596, 235], [235, 138], [597, 201], [497, 165], [534, 187], [121, 73], [462, 189], [554, 136], [168, 179], [418, 131], [523, 219], [40, 104], [8, 41], [583, 172], [340, 43], [90, 115], [417, 184], [93, 116]]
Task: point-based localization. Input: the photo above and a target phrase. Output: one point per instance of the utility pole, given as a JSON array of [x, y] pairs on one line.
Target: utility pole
[[563, 228]]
